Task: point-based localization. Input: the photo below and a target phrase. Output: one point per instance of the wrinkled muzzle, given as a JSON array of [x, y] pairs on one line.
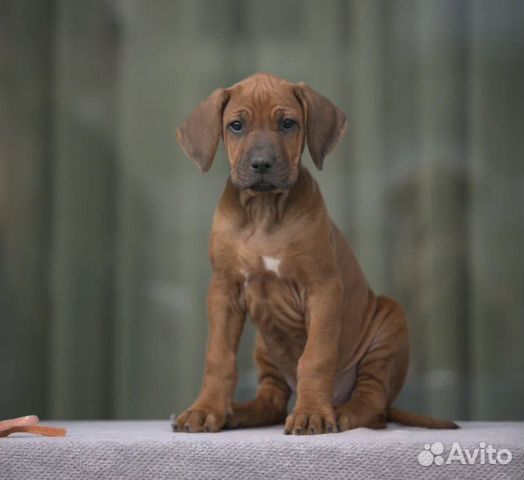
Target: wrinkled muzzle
[[262, 168]]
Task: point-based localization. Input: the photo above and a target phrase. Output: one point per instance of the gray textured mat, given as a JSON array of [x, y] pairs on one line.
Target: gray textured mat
[[148, 449]]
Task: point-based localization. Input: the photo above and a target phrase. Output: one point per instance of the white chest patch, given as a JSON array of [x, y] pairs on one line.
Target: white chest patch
[[271, 264], [246, 278]]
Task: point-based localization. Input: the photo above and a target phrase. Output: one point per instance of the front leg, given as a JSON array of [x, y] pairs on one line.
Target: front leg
[[316, 369], [213, 406], [269, 407]]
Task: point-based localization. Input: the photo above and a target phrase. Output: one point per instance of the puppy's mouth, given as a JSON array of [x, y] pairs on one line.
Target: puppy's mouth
[[261, 183], [262, 186]]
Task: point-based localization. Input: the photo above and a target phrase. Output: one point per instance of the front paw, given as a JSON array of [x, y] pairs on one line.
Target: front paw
[[258, 412], [200, 419], [306, 421]]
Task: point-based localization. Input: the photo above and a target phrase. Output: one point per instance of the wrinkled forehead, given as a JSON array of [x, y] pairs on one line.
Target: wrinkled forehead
[[258, 99]]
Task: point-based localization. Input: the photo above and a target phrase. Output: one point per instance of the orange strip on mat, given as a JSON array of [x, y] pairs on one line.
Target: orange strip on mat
[[19, 422], [28, 424], [38, 429]]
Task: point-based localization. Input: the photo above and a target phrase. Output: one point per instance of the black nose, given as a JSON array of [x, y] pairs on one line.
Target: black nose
[[261, 164]]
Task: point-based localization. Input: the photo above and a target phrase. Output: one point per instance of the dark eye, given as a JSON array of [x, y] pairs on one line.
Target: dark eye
[[236, 126], [288, 123]]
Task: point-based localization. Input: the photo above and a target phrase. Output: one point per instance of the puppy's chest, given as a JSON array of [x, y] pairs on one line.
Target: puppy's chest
[[270, 292]]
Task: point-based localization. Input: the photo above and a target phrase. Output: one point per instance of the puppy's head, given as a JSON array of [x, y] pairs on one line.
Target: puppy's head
[[264, 122]]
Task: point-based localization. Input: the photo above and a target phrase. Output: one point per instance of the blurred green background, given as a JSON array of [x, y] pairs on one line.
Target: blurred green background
[[104, 223]]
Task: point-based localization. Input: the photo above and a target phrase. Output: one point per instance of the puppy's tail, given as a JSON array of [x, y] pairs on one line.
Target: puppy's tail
[[414, 420]]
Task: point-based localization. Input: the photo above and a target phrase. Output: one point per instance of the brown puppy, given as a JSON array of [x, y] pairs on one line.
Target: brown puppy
[[278, 257]]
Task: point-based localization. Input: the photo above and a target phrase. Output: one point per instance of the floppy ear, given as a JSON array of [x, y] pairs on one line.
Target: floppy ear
[[325, 123], [200, 133]]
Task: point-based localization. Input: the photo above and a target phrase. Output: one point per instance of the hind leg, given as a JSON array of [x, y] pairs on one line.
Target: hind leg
[[380, 373], [269, 407]]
